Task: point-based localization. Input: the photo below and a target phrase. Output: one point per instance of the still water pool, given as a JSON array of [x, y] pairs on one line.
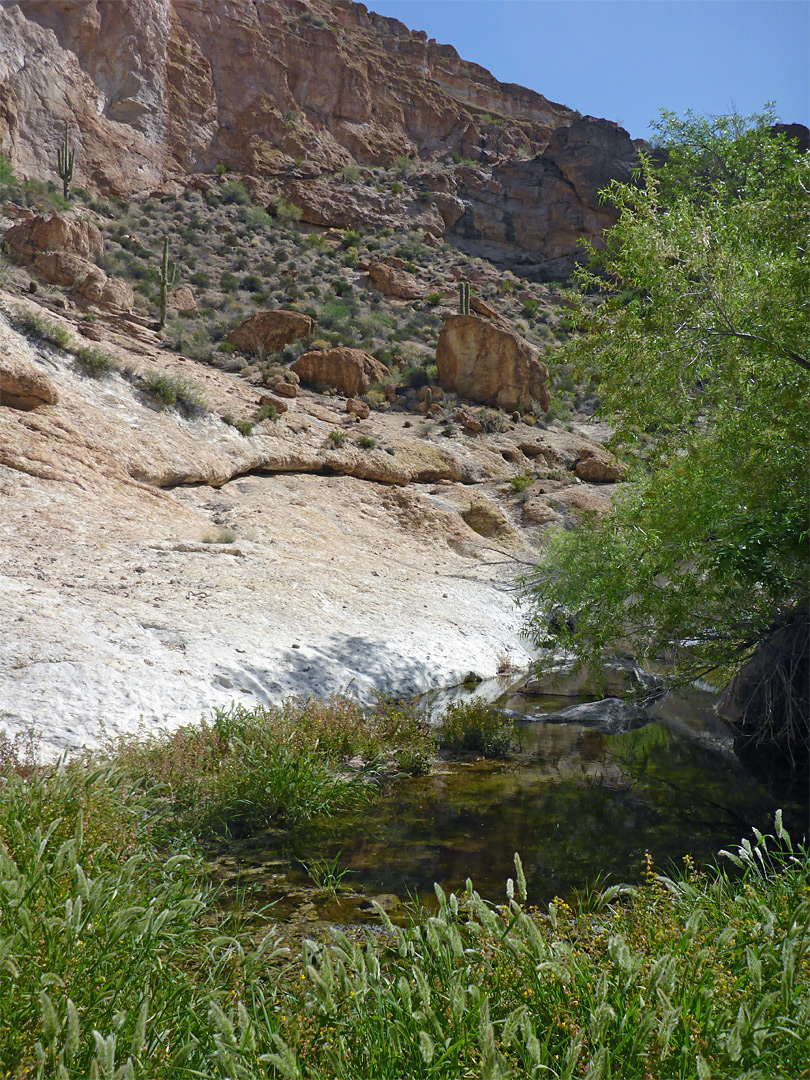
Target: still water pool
[[580, 802]]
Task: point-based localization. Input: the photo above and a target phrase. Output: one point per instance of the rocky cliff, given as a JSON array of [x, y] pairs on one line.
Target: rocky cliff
[[301, 96]]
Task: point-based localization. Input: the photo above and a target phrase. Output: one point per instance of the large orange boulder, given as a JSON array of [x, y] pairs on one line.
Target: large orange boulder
[[268, 331], [351, 371], [491, 364], [54, 233]]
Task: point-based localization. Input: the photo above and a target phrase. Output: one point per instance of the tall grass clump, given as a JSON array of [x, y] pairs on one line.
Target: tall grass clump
[[114, 961], [694, 977], [475, 726]]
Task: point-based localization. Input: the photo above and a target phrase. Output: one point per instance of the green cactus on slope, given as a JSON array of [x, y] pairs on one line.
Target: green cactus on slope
[[464, 297], [65, 159], [166, 278]]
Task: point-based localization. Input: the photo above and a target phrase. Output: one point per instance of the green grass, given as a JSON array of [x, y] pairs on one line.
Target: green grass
[[39, 328], [116, 961], [95, 363], [475, 726], [168, 390]]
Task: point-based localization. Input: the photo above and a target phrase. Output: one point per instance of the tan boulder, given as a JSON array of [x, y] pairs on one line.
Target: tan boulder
[[391, 281], [111, 292], [182, 299], [63, 268], [599, 467], [269, 331], [351, 371], [538, 511], [284, 387], [270, 399], [22, 385], [490, 364], [55, 233], [360, 409]]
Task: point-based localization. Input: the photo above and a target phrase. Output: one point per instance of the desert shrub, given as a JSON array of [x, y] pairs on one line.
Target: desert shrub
[[39, 328], [234, 194], [169, 390], [337, 437], [521, 481], [434, 298], [366, 442], [475, 725], [530, 308], [94, 362], [415, 377], [201, 279], [228, 282], [244, 427], [251, 283], [492, 421], [266, 412]]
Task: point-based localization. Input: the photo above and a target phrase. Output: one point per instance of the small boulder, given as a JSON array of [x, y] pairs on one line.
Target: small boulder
[[269, 331], [269, 399], [351, 371], [23, 386], [54, 233], [488, 363], [360, 408], [108, 292], [599, 467], [391, 281], [182, 299]]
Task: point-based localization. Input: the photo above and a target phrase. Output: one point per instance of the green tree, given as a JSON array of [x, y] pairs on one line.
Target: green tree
[[701, 352]]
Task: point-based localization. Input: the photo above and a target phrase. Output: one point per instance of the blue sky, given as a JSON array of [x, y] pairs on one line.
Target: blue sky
[[626, 59]]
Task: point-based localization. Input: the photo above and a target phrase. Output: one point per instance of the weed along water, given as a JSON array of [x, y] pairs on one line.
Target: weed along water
[[582, 800]]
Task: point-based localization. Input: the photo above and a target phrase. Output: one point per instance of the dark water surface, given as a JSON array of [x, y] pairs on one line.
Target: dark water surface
[[581, 802]]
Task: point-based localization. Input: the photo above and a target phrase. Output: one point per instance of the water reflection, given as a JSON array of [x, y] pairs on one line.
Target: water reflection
[[582, 800], [578, 803]]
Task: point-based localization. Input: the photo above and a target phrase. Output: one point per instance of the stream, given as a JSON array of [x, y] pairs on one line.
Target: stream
[[593, 787]]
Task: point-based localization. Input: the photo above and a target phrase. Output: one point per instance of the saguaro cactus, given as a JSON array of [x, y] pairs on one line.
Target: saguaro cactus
[[65, 159], [167, 278], [464, 297]]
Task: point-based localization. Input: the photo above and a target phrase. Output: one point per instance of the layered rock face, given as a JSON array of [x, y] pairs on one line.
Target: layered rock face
[[294, 91]]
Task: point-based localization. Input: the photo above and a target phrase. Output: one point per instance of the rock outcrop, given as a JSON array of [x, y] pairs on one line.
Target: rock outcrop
[[54, 232], [487, 363], [351, 371], [294, 91], [268, 331]]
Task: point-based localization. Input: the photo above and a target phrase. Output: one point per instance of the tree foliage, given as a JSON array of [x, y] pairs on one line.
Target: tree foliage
[[701, 351]]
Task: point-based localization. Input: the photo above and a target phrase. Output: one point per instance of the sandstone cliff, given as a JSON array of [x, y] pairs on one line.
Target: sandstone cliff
[[295, 91]]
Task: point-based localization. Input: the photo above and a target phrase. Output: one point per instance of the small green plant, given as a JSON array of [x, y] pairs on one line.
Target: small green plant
[[41, 329], [66, 159], [266, 412], [396, 187], [244, 427], [169, 390], [521, 481], [530, 308], [434, 298], [95, 362], [337, 437], [492, 421], [351, 174], [221, 168], [476, 726], [350, 239], [324, 874], [366, 442], [228, 282]]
